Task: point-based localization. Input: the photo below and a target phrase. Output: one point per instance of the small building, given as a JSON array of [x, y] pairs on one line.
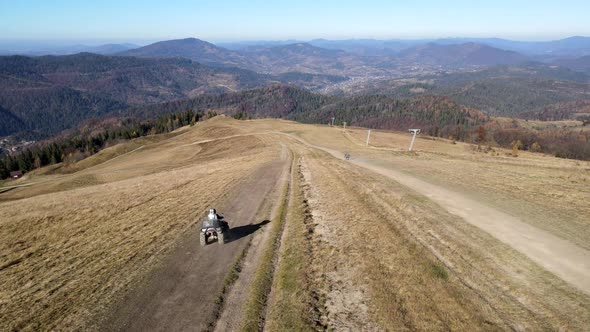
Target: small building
[[16, 174]]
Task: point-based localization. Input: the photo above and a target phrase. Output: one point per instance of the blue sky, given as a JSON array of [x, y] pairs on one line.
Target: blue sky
[[149, 20]]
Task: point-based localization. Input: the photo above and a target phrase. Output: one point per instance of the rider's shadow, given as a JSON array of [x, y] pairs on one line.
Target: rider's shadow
[[243, 231]]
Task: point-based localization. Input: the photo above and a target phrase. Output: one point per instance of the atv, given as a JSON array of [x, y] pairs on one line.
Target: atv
[[213, 226]]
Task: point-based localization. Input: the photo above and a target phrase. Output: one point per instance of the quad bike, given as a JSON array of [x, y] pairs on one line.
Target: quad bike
[[213, 226], [347, 156]]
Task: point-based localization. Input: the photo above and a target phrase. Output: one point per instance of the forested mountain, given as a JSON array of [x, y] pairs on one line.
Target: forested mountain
[[436, 115], [9, 123], [375, 59], [576, 110], [303, 57], [45, 95], [44, 111], [277, 101], [274, 59], [462, 55], [500, 91], [126, 79], [581, 64], [192, 49]]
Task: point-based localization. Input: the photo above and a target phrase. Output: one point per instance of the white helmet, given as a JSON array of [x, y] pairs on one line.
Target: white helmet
[[212, 214]]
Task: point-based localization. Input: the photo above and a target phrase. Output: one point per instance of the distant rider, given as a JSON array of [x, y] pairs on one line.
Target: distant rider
[[214, 216]]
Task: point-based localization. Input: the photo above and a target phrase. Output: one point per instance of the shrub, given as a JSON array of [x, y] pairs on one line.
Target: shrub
[[438, 271]]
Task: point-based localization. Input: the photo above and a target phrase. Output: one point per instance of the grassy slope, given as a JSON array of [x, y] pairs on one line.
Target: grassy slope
[[88, 244], [382, 256], [417, 267], [486, 284]]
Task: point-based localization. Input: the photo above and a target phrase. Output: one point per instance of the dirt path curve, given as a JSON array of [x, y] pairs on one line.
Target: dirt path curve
[[180, 295], [563, 258]]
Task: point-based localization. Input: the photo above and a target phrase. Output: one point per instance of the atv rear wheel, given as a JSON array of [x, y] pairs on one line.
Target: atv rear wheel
[[221, 238], [202, 239]]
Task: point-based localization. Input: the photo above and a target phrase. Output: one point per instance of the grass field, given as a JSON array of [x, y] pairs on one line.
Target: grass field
[[358, 250]]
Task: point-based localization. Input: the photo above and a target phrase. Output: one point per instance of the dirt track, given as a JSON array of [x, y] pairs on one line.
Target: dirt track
[[563, 258], [147, 200], [181, 294]]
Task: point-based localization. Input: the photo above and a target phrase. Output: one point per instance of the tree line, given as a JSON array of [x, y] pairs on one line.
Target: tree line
[[80, 145]]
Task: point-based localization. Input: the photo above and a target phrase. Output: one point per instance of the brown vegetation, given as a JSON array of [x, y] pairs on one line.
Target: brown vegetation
[[358, 250]]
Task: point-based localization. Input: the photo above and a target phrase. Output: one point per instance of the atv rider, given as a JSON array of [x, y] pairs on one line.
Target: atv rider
[[213, 216]]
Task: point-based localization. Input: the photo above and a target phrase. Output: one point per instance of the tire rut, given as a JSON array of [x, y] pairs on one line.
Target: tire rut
[[180, 294]]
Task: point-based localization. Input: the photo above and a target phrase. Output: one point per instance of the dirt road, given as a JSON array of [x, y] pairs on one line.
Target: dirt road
[[181, 294], [563, 258]]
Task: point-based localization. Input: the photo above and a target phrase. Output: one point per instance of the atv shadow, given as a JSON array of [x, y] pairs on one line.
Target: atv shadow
[[243, 231]]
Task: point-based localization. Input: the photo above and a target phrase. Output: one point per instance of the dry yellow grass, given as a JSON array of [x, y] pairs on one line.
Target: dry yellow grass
[[381, 257], [547, 192], [487, 283], [417, 267], [68, 253]]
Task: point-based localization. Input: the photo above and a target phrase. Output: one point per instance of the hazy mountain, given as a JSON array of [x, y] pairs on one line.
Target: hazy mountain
[[298, 57], [241, 45], [40, 50], [572, 46], [368, 47], [303, 57], [468, 54], [107, 49], [193, 49], [581, 64], [365, 58], [543, 50]]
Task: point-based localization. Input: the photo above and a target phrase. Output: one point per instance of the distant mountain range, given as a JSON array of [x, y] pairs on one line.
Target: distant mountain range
[[307, 58], [31, 50], [576, 46], [354, 57], [459, 55], [581, 64], [570, 47], [44, 95], [499, 90]]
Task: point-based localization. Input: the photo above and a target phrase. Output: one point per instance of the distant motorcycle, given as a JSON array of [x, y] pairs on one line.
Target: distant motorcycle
[[347, 156]]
